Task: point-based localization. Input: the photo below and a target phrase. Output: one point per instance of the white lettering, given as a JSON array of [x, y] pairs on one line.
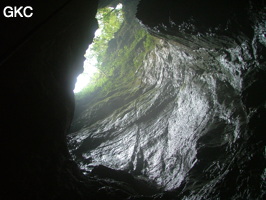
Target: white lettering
[[8, 11], [18, 12], [24, 11]]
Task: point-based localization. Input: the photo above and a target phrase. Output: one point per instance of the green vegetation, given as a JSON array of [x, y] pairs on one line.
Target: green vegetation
[[119, 59], [109, 20]]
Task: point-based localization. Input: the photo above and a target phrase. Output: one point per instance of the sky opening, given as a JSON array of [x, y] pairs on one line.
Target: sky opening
[[102, 36]]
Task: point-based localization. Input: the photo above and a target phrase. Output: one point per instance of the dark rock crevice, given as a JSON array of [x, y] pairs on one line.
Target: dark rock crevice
[[40, 59]]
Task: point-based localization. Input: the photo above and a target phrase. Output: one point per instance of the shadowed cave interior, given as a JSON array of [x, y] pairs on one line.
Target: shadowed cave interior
[[178, 114]]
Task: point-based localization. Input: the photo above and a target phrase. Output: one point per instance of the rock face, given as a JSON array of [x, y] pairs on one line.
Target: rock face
[[191, 121], [184, 115]]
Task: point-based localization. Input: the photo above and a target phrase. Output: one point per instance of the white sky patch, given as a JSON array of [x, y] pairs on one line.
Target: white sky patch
[[98, 32], [89, 67], [119, 6], [84, 79]]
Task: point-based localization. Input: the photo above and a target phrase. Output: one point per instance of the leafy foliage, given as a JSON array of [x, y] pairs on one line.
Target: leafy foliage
[[109, 20], [122, 57]]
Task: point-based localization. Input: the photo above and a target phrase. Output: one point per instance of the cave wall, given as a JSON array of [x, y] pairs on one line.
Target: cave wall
[[193, 124], [41, 57], [224, 28], [222, 131]]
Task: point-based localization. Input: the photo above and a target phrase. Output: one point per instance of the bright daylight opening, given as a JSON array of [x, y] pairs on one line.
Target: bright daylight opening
[[109, 20]]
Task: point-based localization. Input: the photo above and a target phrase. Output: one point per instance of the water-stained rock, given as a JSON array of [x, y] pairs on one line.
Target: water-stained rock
[[193, 122]]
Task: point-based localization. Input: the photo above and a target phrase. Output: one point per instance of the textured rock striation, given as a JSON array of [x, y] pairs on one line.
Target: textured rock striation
[[191, 121], [181, 117]]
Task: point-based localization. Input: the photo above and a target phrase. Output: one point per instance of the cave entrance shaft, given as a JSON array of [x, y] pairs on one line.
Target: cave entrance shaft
[[109, 20]]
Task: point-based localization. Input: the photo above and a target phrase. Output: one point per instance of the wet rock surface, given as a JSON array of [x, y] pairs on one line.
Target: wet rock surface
[[194, 124], [187, 123]]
